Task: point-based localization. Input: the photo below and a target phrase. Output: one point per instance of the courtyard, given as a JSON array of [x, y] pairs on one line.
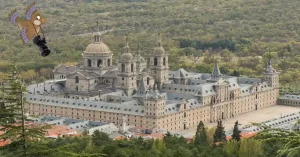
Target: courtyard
[[248, 118]]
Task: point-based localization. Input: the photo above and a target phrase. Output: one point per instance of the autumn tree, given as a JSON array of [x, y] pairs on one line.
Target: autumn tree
[[46, 72], [28, 75]]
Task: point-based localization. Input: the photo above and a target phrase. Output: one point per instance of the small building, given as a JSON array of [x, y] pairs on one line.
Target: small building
[[289, 100]]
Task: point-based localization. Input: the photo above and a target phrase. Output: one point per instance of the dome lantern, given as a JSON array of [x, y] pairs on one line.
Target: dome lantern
[[159, 50], [97, 47], [126, 55]]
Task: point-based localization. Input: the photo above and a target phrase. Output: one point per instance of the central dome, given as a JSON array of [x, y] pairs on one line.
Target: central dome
[[97, 46]]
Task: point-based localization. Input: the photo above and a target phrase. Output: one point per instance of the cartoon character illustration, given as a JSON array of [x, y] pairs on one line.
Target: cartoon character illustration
[[31, 27]]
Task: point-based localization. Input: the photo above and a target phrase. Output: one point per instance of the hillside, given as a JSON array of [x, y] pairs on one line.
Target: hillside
[[264, 24]]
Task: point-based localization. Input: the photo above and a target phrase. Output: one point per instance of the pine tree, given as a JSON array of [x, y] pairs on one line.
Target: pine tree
[[12, 116], [236, 132], [220, 133], [201, 136]]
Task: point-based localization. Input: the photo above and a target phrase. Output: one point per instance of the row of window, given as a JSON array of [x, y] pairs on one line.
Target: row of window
[[156, 61], [99, 62]]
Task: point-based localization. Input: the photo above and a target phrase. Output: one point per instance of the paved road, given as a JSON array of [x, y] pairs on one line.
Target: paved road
[[82, 35]]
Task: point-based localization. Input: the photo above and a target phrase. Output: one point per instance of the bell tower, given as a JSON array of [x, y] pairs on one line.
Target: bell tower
[[126, 71], [159, 66], [271, 75]]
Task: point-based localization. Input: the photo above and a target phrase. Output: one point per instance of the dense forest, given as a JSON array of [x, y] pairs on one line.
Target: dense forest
[[232, 32]]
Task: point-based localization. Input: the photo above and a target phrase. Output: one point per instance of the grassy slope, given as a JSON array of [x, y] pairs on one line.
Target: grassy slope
[[258, 20]]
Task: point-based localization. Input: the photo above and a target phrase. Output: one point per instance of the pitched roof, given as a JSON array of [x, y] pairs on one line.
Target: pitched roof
[[62, 69], [142, 87], [180, 73], [111, 74], [132, 107], [83, 74]]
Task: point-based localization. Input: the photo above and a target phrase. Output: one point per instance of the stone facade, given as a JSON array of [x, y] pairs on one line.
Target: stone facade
[[151, 97]]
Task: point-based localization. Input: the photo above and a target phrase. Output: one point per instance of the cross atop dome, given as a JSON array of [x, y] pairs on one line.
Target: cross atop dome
[[127, 48], [159, 39]]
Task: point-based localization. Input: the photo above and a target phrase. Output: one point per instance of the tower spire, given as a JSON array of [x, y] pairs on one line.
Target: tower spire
[[97, 35], [216, 74], [159, 39], [142, 88], [269, 68], [126, 48]]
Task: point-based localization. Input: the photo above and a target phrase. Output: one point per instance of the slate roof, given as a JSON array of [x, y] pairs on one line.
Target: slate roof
[[143, 92], [180, 73], [290, 97], [173, 107], [178, 97], [179, 88], [206, 90], [88, 74], [130, 107], [69, 122], [195, 82], [48, 87], [62, 69], [245, 89], [233, 84], [111, 74], [245, 80]]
